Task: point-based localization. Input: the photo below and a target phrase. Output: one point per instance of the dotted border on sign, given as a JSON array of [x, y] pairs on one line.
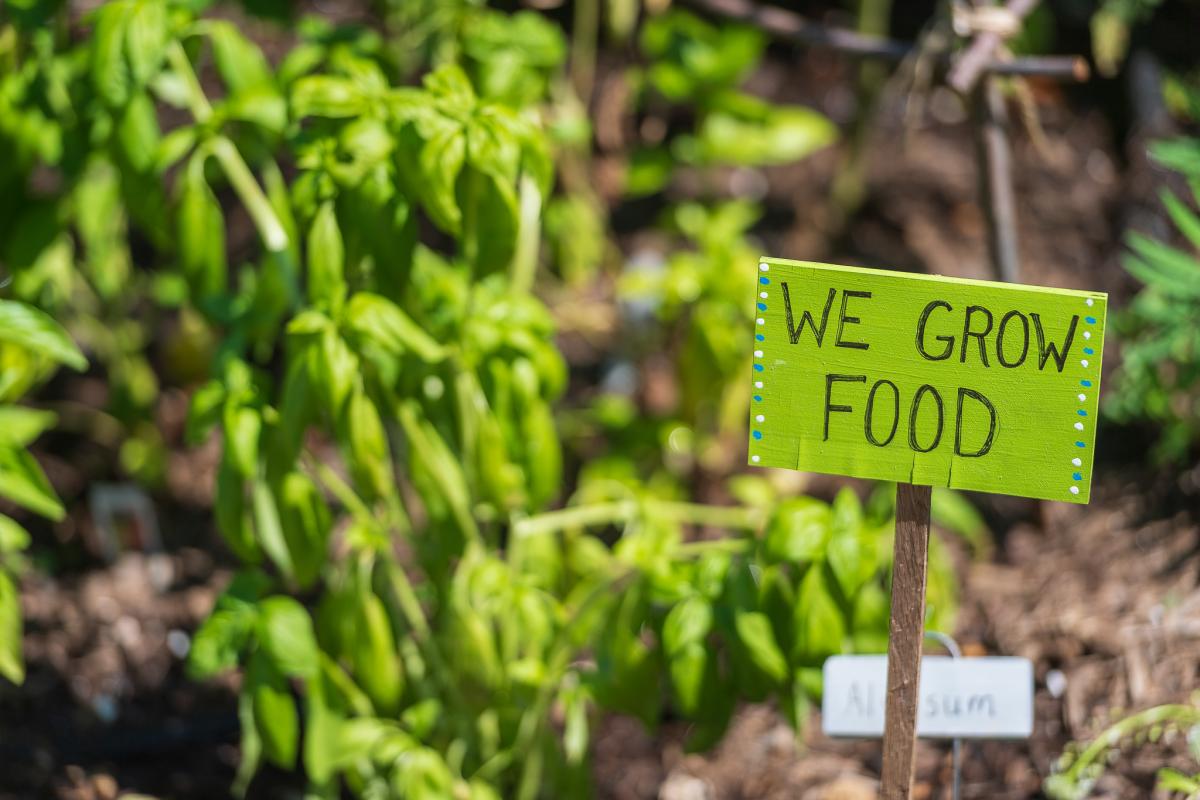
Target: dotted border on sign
[[1086, 383], [760, 306]]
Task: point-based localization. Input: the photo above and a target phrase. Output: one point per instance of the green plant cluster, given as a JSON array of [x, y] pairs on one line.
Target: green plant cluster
[[32, 346], [1081, 767], [410, 620], [1159, 381]]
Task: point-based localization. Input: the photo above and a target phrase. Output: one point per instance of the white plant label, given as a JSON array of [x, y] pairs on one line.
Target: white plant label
[[968, 698]]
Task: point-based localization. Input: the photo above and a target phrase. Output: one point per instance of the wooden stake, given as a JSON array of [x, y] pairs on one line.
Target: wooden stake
[[905, 636]]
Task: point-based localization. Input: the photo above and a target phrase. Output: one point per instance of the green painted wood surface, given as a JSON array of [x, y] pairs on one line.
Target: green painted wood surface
[[1017, 394]]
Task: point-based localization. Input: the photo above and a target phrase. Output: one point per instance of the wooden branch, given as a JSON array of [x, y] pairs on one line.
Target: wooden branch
[[969, 64], [906, 633], [788, 26], [997, 196]]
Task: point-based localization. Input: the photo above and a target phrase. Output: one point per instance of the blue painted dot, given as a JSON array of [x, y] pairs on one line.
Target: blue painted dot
[[762, 306], [1077, 476], [1090, 320], [1085, 383], [1089, 351], [764, 281], [1080, 444], [758, 434], [758, 367], [1081, 413], [758, 398], [760, 337]]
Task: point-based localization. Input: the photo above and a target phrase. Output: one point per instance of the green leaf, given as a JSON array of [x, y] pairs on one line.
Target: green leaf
[[173, 147], [258, 105], [1171, 780], [1181, 155], [362, 435], [13, 538], [285, 634], [239, 61], [373, 652], [204, 412], [12, 665], [243, 425], [275, 716], [375, 318], [23, 482], [218, 644], [110, 71], [306, 525], [268, 527], [232, 519], [754, 632], [440, 160], [953, 512], [322, 728], [819, 625], [1170, 269], [870, 619], [326, 261], [326, 96], [1184, 217], [138, 133], [146, 37], [798, 531], [689, 667], [33, 330], [490, 219], [687, 623], [201, 232], [576, 731], [251, 746], [767, 135], [19, 426]]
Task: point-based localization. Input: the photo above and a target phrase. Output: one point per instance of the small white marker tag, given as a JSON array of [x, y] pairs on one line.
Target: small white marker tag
[[968, 698]]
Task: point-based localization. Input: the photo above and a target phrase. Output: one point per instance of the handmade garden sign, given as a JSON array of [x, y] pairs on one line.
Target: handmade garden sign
[[926, 381]]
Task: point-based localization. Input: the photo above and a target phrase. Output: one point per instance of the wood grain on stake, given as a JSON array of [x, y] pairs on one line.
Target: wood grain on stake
[[905, 636]]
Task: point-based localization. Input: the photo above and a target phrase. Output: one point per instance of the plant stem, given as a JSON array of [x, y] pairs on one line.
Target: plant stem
[[251, 194], [525, 258], [197, 101], [340, 489], [558, 662], [240, 177], [1184, 715], [585, 30], [623, 511]]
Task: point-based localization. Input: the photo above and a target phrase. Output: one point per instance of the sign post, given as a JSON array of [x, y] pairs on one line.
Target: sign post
[[906, 633], [926, 381]]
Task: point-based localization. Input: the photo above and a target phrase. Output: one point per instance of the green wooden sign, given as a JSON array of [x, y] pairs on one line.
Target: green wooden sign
[[926, 379]]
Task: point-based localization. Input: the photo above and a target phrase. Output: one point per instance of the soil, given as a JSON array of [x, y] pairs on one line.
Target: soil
[[1102, 598]]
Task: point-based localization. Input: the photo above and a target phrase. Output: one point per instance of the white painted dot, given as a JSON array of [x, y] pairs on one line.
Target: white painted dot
[[764, 267], [758, 384], [1090, 301], [1087, 334], [1078, 426], [761, 321], [1077, 461], [1083, 361], [760, 418], [763, 295], [758, 353], [1074, 490], [1082, 397], [755, 459]]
